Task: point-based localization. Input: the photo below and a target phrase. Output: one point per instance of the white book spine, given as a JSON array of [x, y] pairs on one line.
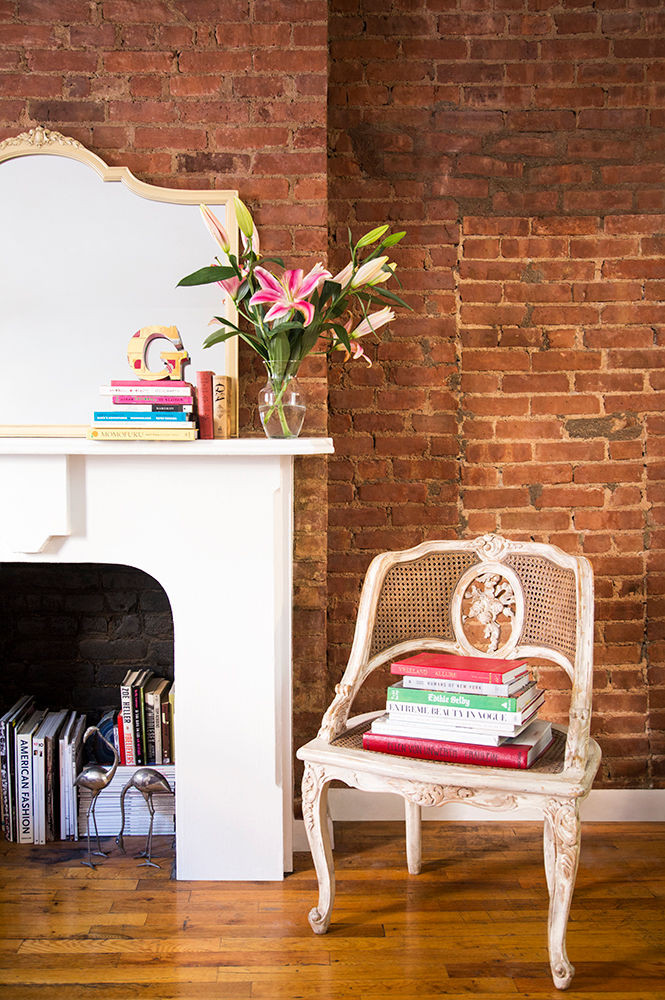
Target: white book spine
[[24, 788], [63, 796], [462, 716], [147, 390], [425, 730], [38, 820], [467, 687]]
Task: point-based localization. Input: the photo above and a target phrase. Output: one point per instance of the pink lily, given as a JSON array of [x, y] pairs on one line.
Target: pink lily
[[373, 322], [216, 229], [344, 275], [289, 293], [230, 285], [369, 324], [252, 243]]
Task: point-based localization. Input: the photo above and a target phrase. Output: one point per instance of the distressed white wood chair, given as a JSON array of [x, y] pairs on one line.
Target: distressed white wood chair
[[534, 601]]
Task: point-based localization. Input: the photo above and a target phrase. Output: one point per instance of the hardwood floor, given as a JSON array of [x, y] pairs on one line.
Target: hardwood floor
[[472, 924]]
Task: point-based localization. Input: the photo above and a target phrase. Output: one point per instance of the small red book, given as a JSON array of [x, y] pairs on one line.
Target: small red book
[[204, 405], [484, 669], [121, 739]]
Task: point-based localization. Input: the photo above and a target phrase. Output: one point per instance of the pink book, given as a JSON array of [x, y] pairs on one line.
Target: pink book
[[150, 383], [466, 668], [133, 400]]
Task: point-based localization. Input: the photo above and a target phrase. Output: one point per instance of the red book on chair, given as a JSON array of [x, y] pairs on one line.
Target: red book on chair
[[519, 752], [484, 669]]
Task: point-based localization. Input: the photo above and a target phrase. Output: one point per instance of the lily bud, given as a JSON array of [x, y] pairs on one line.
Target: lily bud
[[245, 221], [372, 272], [215, 228]]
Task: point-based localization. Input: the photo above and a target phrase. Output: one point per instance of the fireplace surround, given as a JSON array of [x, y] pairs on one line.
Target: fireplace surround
[[212, 522]]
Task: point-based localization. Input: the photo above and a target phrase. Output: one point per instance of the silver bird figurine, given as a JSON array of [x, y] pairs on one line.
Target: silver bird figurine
[[148, 782], [94, 778]]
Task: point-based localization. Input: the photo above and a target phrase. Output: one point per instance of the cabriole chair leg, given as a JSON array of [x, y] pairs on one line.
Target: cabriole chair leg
[[315, 813], [562, 851]]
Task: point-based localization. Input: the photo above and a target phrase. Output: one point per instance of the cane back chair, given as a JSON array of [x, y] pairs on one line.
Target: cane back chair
[[488, 596]]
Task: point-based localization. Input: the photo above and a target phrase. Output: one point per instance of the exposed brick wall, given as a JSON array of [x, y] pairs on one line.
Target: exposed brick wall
[[521, 144], [209, 94], [71, 632], [522, 147]]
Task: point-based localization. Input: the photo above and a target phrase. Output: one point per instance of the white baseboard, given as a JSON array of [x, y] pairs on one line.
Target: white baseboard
[[603, 805]]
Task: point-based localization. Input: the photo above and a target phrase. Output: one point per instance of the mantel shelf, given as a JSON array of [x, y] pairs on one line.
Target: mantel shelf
[[232, 447]]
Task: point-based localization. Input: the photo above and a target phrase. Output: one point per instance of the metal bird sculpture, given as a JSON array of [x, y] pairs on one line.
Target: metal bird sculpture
[[148, 782], [94, 778]]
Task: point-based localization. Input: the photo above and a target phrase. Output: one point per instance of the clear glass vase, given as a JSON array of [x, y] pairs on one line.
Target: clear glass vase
[[281, 403]]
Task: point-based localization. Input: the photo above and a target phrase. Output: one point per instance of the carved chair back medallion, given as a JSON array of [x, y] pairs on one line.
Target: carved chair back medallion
[[487, 609]]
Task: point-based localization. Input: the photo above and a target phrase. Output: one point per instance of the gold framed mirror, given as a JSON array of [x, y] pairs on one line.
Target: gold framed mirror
[[89, 254]]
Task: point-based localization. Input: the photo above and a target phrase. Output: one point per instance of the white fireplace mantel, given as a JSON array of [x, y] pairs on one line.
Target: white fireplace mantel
[[212, 522]]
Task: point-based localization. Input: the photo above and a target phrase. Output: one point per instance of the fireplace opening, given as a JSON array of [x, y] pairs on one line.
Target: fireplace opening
[[70, 632], [70, 635]]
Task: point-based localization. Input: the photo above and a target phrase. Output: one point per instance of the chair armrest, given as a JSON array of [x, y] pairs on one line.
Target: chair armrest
[[579, 720]]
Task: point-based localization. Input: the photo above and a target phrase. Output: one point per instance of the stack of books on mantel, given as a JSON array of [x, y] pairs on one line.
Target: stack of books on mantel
[[145, 411], [462, 709]]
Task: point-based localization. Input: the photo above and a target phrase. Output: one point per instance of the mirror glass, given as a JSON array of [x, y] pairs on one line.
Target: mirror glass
[[85, 263]]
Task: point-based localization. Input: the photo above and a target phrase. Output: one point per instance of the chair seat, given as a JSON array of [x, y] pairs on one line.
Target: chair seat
[[547, 776]]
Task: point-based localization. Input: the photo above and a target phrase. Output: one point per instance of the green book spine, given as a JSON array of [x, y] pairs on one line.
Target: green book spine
[[454, 699]]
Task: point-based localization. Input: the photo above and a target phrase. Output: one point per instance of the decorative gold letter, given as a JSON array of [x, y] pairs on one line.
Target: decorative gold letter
[[138, 347]]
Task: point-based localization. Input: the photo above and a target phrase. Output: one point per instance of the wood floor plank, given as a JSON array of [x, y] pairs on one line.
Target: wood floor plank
[[118, 946], [473, 924]]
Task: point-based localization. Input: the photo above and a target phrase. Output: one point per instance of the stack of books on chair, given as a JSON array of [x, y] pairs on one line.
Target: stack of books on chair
[[461, 709], [149, 411]]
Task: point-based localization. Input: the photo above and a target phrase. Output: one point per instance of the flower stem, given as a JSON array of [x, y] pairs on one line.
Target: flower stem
[[279, 406]]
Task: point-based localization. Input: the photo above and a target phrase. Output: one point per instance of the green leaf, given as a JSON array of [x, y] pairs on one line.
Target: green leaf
[[329, 290], [256, 345], [280, 347], [273, 260], [381, 295], [309, 339], [371, 237], [343, 335], [218, 336], [227, 322], [206, 275]]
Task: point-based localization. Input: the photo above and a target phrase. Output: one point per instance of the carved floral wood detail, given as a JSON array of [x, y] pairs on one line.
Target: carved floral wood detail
[[312, 783], [41, 137], [496, 599]]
